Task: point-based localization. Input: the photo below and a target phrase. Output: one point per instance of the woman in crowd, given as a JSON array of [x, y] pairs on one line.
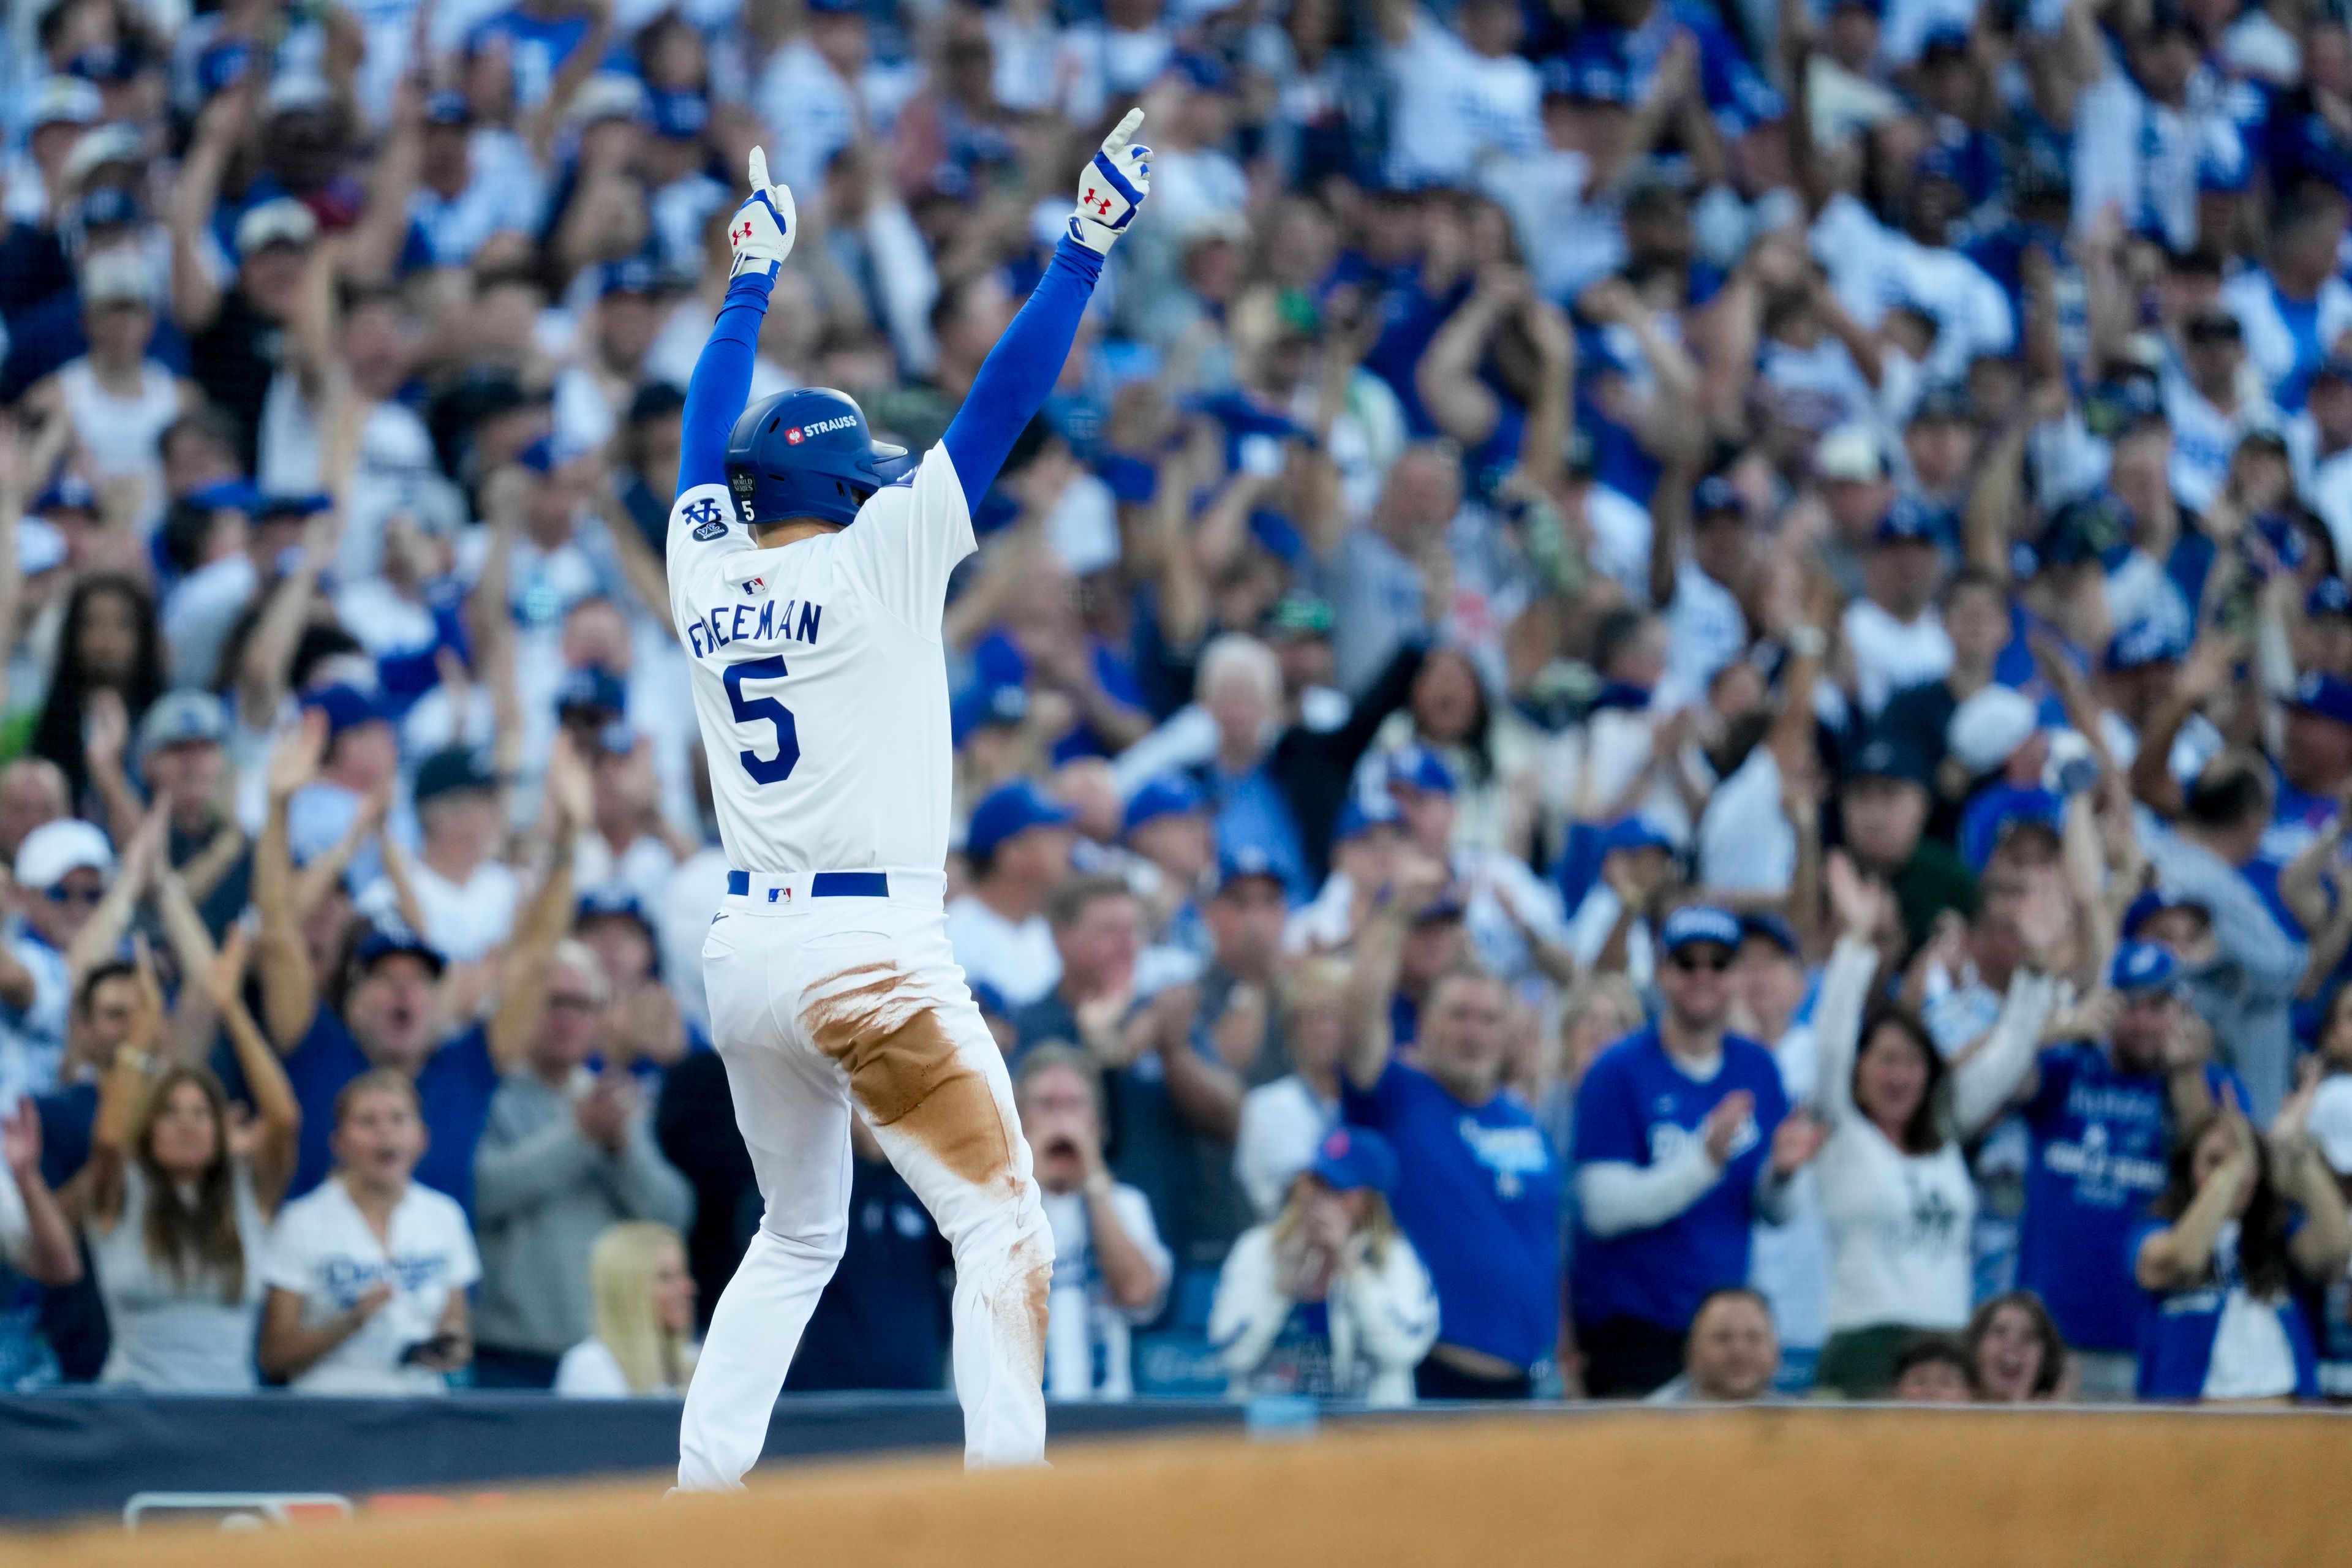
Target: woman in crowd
[[1896, 1189], [2222, 1255], [1493, 753], [176, 1198], [1282, 1121], [368, 1272], [110, 643], [1329, 1300], [643, 1342], [2015, 1353]]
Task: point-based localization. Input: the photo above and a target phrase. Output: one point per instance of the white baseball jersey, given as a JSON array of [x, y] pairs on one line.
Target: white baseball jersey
[[819, 679]]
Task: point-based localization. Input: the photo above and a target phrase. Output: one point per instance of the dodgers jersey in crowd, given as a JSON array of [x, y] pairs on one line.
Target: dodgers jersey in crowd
[[819, 679]]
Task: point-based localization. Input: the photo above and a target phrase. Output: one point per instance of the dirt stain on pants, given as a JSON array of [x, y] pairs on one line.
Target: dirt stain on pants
[[905, 1073]]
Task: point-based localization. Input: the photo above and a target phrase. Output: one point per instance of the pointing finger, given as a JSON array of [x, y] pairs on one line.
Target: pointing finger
[[1124, 132], [759, 169]]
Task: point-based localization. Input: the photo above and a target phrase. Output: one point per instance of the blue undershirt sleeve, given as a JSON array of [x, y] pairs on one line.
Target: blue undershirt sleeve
[[1020, 370], [721, 382]]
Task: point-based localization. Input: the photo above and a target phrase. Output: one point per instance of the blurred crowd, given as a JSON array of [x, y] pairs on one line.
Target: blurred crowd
[[1664, 710]]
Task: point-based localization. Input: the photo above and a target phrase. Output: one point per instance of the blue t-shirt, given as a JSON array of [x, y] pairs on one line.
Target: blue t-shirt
[[2100, 1141], [454, 1090], [2177, 1328], [1478, 1195], [1637, 1108]]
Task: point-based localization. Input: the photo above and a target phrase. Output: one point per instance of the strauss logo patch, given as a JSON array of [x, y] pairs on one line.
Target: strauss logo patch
[[800, 433]]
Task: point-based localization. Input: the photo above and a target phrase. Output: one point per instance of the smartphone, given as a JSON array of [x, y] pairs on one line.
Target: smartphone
[[439, 1348]]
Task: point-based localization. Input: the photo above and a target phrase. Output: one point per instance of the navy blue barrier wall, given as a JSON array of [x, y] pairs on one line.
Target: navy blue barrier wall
[[78, 1452]]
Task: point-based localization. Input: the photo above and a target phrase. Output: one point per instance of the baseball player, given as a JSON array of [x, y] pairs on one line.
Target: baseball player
[[808, 569]]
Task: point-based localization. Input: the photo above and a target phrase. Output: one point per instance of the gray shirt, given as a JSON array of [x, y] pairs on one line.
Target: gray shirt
[[542, 1194], [2247, 994]]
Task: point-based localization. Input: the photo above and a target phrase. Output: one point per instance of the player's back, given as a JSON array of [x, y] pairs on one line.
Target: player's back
[[818, 677]]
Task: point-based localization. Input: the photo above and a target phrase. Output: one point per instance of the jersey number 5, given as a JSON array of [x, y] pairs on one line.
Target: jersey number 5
[[752, 710]]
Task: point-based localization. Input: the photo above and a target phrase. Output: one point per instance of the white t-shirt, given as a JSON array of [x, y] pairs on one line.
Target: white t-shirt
[[1453, 103], [1020, 961], [33, 1041], [589, 1370], [465, 920], [322, 1250], [1706, 629], [1745, 842], [1087, 1348], [1891, 654]]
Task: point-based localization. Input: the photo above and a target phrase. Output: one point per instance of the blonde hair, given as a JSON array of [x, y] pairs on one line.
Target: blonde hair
[[621, 1272], [1315, 980], [1380, 1222]]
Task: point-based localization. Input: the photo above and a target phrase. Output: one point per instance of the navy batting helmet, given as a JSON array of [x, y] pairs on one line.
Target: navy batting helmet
[[806, 453]]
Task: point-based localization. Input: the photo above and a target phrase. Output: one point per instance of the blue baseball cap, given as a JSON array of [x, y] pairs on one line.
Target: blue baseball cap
[[1882, 758], [1166, 794], [387, 937], [1360, 815], [1696, 923], [1907, 521], [2138, 645], [2152, 903], [310, 505], [67, 492], [1634, 833], [1418, 768], [346, 708], [681, 114], [2325, 695], [1011, 809], [1245, 861], [1006, 703], [987, 997], [1715, 495], [592, 690], [1772, 926], [612, 900], [2328, 596], [631, 275], [448, 106], [2143, 966], [228, 495], [1355, 1159]]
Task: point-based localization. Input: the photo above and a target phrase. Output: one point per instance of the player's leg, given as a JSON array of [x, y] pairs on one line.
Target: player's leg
[[794, 1118], [933, 1085]]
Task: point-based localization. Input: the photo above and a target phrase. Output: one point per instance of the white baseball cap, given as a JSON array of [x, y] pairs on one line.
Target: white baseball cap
[[39, 546], [280, 220], [100, 145], [608, 95], [1849, 452], [1987, 729], [65, 100], [116, 275], [54, 849]]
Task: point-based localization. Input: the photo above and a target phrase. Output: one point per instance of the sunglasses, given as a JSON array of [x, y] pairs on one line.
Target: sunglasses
[[90, 896], [1694, 965]]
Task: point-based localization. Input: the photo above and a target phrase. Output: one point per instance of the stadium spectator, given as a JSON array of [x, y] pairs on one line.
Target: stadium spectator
[[2014, 1353], [1478, 1188], [1684, 1139], [176, 1200], [1931, 1369], [1111, 1271], [1731, 1353], [1328, 1299], [36, 1246], [565, 1152], [369, 1272], [1283, 1122], [1018, 846], [643, 1342], [1894, 1188], [886, 1319]]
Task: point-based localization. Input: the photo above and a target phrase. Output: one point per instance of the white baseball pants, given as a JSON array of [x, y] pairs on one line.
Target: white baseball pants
[[815, 1003]]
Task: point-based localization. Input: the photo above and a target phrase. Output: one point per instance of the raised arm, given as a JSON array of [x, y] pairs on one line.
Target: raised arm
[[1022, 368], [529, 957], [290, 987], [762, 233], [277, 1115], [1380, 954]]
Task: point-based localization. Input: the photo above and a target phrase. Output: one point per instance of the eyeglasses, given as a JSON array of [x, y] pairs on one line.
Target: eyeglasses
[[572, 1004], [90, 896], [1693, 964]]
